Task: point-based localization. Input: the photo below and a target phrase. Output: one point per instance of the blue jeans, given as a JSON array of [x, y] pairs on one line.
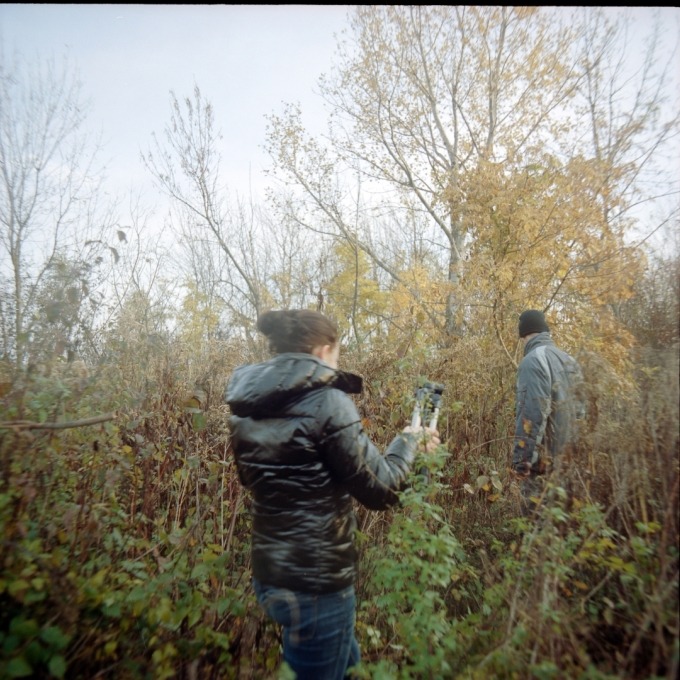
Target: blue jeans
[[318, 630]]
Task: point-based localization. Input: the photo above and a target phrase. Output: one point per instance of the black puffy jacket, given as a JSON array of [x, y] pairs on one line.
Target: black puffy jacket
[[303, 453]]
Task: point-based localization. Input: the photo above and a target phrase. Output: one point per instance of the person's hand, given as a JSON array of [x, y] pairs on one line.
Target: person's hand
[[521, 470], [428, 438]]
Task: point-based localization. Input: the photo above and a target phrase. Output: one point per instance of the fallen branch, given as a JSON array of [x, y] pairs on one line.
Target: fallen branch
[[30, 425]]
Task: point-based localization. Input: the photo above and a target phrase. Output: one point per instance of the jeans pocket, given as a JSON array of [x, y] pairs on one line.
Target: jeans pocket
[[296, 612]]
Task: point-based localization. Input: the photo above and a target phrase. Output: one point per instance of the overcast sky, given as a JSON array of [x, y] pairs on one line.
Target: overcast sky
[[246, 59]]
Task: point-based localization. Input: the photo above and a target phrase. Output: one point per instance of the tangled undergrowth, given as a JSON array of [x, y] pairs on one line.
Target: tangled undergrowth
[[125, 543]]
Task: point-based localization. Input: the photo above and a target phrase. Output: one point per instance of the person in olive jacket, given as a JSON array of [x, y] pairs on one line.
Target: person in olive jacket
[[548, 406], [302, 452]]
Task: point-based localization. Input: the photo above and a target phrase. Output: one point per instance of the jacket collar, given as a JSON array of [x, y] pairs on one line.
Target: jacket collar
[[538, 340]]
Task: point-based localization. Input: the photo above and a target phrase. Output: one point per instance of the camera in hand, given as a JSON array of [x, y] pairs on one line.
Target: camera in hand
[[427, 406]]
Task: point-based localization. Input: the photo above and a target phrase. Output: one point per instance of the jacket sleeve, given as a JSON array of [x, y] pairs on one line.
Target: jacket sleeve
[[355, 462], [532, 409]]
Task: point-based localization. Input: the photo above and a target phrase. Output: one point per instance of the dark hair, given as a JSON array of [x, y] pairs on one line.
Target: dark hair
[[296, 330]]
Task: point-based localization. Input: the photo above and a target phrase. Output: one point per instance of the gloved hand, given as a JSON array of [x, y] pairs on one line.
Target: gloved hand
[[522, 469]]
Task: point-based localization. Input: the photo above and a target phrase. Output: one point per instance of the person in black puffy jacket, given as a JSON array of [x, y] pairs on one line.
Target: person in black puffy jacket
[[303, 454]]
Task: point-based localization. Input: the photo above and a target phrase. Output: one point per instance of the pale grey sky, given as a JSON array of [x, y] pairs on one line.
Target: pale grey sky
[[246, 59]]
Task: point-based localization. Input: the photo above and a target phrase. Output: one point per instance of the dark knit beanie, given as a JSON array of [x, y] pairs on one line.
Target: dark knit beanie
[[532, 321]]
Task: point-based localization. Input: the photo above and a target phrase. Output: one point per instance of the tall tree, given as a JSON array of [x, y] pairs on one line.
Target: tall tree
[[186, 165], [240, 260], [425, 92], [48, 199], [426, 101]]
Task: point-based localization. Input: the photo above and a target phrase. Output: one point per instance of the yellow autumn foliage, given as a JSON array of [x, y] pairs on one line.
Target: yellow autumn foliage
[[540, 238]]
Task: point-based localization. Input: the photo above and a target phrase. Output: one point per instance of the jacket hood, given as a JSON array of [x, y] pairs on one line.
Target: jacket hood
[[260, 389]]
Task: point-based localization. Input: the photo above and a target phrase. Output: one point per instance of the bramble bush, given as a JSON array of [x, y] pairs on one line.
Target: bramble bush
[[125, 544]]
